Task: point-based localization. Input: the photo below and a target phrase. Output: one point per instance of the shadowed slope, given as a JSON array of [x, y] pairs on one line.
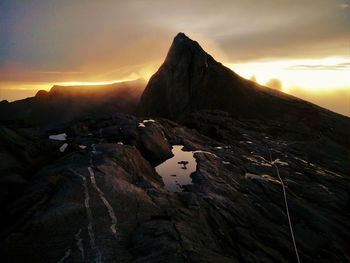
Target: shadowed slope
[[190, 80]]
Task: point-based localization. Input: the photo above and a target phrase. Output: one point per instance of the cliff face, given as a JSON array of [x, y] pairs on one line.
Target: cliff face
[[190, 80]]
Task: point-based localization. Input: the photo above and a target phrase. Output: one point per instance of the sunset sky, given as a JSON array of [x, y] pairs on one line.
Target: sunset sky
[[304, 44]]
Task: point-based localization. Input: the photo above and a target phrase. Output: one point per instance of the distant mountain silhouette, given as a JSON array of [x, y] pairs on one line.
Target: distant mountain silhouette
[[64, 103]]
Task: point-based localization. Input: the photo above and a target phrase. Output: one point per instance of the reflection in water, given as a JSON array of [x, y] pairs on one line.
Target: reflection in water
[[172, 170]]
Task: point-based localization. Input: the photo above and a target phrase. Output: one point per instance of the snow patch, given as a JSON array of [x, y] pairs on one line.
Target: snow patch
[[58, 137], [63, 147]]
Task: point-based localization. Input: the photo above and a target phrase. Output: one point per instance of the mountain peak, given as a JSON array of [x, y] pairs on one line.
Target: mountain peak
[[181, 36], [183, 50], [181, 39], [186, 81], [191, 80]]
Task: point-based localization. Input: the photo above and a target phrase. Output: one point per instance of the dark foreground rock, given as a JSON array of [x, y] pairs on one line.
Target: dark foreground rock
[[106, 203]]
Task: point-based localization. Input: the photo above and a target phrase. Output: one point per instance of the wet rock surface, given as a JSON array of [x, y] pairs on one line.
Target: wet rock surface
[[106, 203]]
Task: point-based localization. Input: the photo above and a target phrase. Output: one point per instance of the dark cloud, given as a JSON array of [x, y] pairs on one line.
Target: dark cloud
[[52, 35]]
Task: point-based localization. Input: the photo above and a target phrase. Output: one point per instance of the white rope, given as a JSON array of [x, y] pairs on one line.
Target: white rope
[[287, 209]]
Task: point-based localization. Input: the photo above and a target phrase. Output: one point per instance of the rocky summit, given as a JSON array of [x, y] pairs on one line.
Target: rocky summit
[[270, 181]]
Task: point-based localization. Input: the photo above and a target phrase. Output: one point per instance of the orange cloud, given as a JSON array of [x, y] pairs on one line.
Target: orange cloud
[[337, 99], [274, 84]]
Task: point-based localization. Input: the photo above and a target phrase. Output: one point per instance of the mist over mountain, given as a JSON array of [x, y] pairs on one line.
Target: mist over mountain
[[65, 103], [199, 165]]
